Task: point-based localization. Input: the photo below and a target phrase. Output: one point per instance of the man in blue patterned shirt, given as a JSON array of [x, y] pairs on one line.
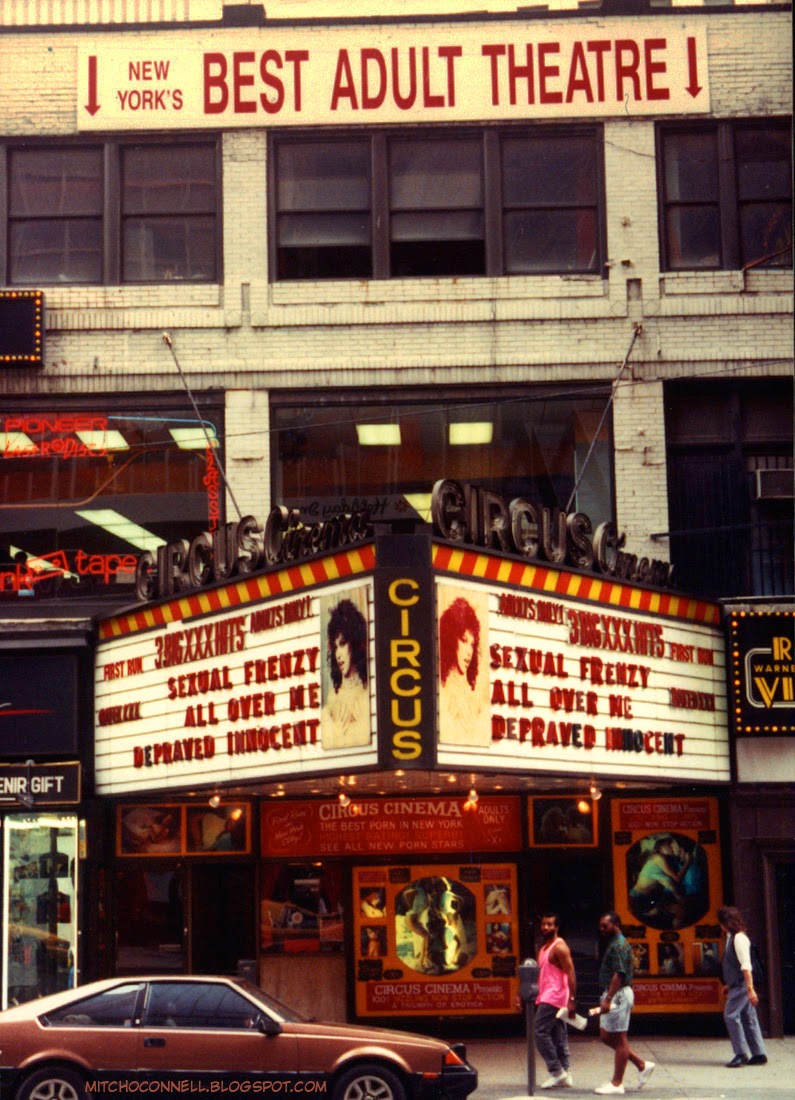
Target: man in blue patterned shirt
[[615, 978]]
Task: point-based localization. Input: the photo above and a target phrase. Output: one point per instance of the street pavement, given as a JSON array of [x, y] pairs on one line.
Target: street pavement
[[687, 1068]]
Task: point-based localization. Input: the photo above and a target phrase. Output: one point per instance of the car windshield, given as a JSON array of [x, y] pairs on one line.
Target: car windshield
[[275, 1007]]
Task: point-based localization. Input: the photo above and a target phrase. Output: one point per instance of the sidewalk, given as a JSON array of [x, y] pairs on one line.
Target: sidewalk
[[686, 1069]]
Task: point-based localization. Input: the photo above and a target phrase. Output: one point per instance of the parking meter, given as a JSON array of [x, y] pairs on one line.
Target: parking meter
[[528, 991]]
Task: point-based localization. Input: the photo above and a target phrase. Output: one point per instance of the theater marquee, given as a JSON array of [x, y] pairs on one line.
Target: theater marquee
[[576, 674], [243, 681]]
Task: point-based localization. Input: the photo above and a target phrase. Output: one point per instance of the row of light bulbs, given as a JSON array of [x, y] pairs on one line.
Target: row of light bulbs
[[470, 804]]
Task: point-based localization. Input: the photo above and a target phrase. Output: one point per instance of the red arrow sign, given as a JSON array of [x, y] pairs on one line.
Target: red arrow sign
[[92, 106], [693, 87]]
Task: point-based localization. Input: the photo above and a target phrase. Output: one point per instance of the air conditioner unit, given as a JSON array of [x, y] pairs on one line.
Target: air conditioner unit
[[775, 484]]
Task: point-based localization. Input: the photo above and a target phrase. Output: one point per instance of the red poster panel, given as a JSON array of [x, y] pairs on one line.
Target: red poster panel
[[390, 826], [436, 940], [668, 887]]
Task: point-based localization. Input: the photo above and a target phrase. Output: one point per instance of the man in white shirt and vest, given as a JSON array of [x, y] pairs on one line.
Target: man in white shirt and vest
[[742, 1022]]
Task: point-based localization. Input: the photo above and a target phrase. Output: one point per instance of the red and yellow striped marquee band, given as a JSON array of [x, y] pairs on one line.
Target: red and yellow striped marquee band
[[592, 587], [238, 593]]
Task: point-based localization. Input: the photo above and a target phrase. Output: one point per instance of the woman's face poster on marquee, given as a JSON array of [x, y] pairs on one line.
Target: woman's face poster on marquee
[[667, 874], [435, 940]]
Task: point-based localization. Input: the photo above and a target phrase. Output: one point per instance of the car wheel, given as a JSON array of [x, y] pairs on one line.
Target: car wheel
[[53, 1083], [369, 1083]]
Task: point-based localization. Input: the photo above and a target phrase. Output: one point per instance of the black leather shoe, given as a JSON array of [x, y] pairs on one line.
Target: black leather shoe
[[737, 1060], [757, 1060]]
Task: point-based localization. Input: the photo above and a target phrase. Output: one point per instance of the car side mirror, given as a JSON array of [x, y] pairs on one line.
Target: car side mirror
[[268, 1026]]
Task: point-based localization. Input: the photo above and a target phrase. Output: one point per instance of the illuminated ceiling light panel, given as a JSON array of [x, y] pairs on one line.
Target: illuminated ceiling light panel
[[103, 441], [122, 528], [14, 442], [470, 433], [421, 503], [378, 435], [39, 565], [193, 439]]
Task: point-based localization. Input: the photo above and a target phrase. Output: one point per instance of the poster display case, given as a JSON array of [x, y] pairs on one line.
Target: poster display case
[[40, 868], [437, 940], [668, 887]]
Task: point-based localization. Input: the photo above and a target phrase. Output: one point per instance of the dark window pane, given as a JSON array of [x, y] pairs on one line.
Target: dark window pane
[[435, 174], [113, 1008], [547, 240], [323, 198], [195, 1004], [764, 163], [161, 249], [693, 236], [766, 234], [436, 203], [555, 171], [169, 180], [437, 258], [691, 167], [46, 251], [332, 175], [320, 262], [55, 182]]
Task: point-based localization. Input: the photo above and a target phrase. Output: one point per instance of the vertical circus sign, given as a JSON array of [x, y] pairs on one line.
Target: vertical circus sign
[[405, 652]]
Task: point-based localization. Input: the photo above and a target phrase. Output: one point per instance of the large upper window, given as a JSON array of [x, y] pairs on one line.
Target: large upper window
[[132, 213], [83, 491], [730, 486], [726, 195], [471, 203], [334, 454]]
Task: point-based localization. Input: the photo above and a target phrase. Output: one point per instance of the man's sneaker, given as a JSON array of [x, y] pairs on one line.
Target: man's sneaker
[[557, 1080], [569, 1082], [609, 1089], [645, 1073]]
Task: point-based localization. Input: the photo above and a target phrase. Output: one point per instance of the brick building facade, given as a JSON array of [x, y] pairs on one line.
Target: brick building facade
[[632, 291]]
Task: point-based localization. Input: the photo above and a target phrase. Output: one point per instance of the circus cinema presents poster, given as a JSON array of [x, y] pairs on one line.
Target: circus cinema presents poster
[[667, 877], [436, 940]]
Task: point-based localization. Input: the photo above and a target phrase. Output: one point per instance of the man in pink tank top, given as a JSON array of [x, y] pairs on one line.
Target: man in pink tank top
[[557, 988]]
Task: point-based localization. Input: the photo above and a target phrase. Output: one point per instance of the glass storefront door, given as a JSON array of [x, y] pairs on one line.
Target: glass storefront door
[[39, 905], [150, 921], [197, 919]]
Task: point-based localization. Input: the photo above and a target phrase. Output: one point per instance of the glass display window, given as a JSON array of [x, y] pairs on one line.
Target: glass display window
[[301, 908], [83, 492], [40, 870], [334, 455]]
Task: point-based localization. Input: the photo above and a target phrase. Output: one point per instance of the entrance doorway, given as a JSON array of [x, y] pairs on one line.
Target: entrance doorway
[[785, 902], [185, 919]]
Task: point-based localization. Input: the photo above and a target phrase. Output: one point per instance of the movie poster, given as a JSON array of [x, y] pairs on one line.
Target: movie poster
[[668, 888], [436, 940]]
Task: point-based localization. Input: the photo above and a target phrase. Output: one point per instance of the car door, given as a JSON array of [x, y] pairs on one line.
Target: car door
[[196, 1031], [98, 1030]]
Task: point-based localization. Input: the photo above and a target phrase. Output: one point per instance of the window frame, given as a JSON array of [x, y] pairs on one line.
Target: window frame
[[493, 208], [112, 217], [728, 200]]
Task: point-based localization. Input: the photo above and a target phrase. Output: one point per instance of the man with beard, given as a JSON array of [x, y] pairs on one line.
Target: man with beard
[[557, 989], [615, 978]]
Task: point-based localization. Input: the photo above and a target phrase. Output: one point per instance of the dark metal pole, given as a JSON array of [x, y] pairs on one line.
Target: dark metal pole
[[530, 1019]]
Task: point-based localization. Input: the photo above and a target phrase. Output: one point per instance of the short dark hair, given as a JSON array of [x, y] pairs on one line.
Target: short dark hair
[[731, 917], [614, 917], [551, 913]]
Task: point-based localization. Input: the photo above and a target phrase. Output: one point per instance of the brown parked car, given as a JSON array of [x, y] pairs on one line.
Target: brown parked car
[[197, 1035]]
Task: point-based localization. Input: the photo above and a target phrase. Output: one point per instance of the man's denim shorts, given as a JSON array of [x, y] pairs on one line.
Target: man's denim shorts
[[617, 1019]]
